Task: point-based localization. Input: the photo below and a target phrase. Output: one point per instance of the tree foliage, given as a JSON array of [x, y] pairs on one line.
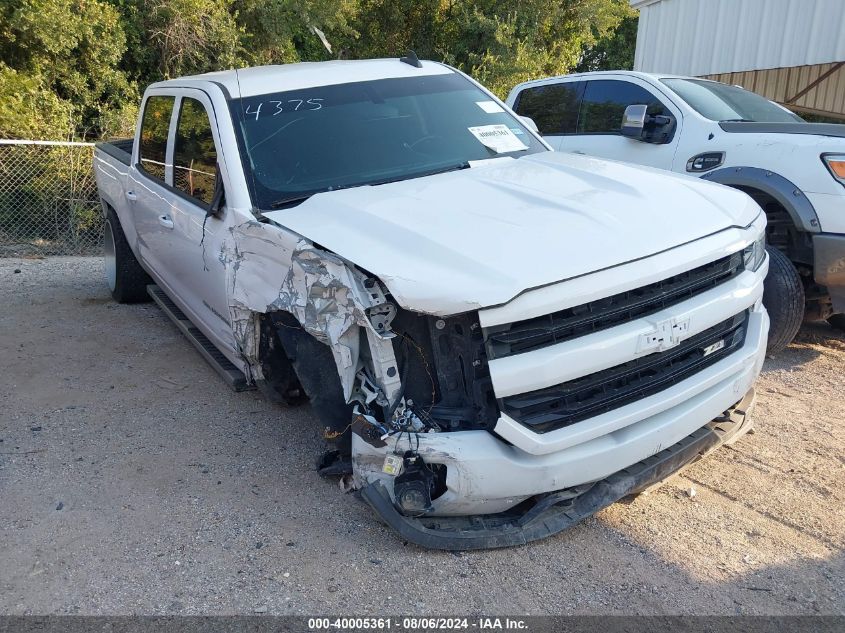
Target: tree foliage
[[614, 51], [76, 68]]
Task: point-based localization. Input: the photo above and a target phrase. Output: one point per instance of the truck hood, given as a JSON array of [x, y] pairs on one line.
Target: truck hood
[[478, 237]]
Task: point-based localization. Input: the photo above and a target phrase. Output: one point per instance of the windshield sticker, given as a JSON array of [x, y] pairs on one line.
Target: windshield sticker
[[517, 131], [490, 107], [498, 138]]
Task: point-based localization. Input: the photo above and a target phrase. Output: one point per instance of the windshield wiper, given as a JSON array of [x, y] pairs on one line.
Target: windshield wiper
[[296, 199], [737, 121], [292, 200], [433, 172]]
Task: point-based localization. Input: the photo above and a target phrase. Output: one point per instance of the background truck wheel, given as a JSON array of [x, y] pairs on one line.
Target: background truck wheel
[[783, 296], [837, 321], [127, 280]]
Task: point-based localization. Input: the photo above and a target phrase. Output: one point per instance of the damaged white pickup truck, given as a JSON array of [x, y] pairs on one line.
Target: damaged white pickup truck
[[498, 339]]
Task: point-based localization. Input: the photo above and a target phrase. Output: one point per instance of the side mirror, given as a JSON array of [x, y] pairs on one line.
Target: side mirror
[[529, 123], [633, 122], [219, 197]]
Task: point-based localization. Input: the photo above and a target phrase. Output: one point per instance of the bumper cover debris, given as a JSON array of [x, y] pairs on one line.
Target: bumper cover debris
[[557, 511]]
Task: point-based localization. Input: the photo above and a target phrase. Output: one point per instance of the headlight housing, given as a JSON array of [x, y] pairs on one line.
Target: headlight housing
[[835, 165], [755, 253]]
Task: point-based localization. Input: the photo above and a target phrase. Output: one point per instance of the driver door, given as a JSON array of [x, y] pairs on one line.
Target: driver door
[[195, 274], [600, 115]]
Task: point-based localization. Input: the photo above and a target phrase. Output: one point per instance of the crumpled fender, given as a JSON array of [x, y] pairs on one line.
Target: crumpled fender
[[322, 291]]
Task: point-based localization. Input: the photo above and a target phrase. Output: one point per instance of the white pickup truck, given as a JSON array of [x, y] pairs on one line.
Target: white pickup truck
[[498, 339], [795, 170]]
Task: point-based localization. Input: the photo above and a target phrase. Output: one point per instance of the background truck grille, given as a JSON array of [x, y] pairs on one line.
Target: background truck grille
[[564, 325], [570, 402]]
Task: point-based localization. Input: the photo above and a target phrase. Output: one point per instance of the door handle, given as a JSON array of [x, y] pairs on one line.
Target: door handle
[[131, 196], [165, 221]]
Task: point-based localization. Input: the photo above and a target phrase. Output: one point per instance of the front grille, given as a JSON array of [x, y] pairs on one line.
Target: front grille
[[570, 402], [564, 325]]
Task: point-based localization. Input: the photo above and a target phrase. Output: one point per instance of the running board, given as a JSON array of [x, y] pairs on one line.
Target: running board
[[233, 376]]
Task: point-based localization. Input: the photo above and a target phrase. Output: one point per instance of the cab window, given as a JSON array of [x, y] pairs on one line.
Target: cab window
[[553, 107], [604, 103], [194, 154], [153, 142]]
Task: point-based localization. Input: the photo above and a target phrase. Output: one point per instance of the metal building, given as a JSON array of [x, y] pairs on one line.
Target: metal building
[[791, 51]]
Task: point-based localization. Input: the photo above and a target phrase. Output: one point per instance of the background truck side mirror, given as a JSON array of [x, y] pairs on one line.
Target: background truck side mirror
[[529, 123], [638, 125], [633, 122]]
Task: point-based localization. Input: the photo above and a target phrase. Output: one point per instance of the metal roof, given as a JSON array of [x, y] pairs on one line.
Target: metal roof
[[707, 37], [790, 51]]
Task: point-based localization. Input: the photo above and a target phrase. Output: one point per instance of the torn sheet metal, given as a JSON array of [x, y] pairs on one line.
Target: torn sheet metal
[[328, 297]]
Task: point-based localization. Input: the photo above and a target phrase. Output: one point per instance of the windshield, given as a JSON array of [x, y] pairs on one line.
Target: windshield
[[721, 102], [331, 137]]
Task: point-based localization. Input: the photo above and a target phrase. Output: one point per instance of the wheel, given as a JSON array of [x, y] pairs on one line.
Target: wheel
[[783, 296], [316, 371], [837, 321], [126, 279]]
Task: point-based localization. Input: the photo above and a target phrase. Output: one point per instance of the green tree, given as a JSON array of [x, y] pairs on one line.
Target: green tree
[[29, 109], [76, 67], [285, 31], [499, 42], [64, 54], [614, 51], [186, 37]]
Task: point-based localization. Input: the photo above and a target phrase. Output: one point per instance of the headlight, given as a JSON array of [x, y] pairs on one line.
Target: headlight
[[836, 165], [755, 253]]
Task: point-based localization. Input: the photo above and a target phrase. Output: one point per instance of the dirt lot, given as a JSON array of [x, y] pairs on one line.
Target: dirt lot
[[133, 481]]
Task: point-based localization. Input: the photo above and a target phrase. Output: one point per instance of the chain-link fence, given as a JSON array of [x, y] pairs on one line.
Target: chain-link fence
[[48, 199]]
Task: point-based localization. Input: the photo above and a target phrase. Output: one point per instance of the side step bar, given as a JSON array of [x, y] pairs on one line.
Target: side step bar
[[233, 376]]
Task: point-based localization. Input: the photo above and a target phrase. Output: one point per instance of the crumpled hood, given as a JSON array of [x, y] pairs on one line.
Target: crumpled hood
[[474, 238]]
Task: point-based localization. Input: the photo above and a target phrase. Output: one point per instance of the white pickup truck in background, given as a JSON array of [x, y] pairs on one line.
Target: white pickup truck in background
[[498, 339], [793, 169]]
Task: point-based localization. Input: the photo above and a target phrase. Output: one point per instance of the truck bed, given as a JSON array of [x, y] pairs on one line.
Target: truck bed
[[111, 168], [120, 149]]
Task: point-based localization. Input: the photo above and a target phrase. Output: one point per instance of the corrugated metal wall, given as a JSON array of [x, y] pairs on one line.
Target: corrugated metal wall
[[784, 84], [706, 37], [777, 48]]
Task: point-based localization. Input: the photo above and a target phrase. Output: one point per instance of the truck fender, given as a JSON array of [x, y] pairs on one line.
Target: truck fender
[[330, 299], [785, 192]]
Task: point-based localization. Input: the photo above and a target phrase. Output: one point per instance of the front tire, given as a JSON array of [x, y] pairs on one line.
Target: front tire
[[126, 279], [783, 296]]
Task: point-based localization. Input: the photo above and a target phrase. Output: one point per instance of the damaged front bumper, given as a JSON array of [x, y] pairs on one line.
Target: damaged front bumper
[[830, 267], [553, 512]]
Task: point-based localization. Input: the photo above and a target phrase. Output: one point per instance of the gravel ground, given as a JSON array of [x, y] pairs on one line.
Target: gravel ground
[[133, 482]]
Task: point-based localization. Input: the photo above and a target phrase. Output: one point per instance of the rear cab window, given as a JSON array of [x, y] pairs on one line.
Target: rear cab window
[[152, 150], [604, 103], [553, 107], [194, 153]]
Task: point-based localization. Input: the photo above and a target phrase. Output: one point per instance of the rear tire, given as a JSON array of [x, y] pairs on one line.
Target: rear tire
[[126, 279], [783, 297], [837, 321]]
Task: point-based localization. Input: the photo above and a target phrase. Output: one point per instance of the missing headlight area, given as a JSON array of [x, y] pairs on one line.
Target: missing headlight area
[[329, 333]]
